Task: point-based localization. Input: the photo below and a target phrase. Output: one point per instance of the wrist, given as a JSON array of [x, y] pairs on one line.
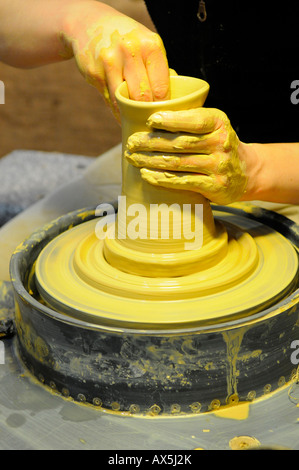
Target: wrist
[[250, 156], [80, 14], [72, 20]]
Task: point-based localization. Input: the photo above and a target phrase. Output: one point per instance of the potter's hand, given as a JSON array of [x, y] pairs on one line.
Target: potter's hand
[[199, 152], [110, 47]]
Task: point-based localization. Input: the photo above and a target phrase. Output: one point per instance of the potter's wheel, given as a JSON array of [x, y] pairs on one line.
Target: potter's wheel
[[145, 327], [33, 418], [258, 269], [177, 368]]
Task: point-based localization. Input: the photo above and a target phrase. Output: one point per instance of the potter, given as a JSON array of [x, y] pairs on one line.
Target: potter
[[123, 283]]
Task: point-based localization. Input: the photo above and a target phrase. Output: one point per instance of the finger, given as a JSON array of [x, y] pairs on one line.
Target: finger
[[92, 71], [173, 142], [104, 74], [134, 71], [198, 121], [158, 72], [112, 66], [202, 184], [191, 163], [137, 80], [102, 86]]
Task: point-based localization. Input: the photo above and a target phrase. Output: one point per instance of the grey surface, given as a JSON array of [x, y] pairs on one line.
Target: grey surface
[[32, 417], [28, 175]]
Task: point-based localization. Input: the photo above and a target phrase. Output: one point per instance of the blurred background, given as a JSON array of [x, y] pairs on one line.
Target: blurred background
[[53, 109]]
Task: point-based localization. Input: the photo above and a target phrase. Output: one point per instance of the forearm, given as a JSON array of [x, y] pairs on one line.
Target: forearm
[[31, 31], [273, 172], [108, 46]]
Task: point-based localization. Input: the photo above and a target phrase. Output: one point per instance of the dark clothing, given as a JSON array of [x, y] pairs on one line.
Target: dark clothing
[[247, 51]]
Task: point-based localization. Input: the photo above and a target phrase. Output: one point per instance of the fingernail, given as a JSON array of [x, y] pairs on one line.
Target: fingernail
[[133, 141], [155, 119], [129, 144]]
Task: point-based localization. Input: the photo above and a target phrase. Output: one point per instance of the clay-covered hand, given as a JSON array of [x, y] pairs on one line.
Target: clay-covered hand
[[110, 47], [193, 150]]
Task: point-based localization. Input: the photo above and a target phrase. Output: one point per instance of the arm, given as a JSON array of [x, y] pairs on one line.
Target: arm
[[29, 32], [273, 172], [199, 151], [108, 47]]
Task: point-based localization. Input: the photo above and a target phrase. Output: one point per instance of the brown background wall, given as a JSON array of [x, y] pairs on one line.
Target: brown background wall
[[52, 108]]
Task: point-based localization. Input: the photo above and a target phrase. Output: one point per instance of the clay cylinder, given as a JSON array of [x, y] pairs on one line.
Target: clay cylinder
[[140, 233]]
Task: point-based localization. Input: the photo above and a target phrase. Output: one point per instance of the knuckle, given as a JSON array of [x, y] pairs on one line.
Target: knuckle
[[152, 43], [221, 119], [94, 76], [89, 73], [107, 56], [223, 181], [85, 65], [156, 40], [128, 46]]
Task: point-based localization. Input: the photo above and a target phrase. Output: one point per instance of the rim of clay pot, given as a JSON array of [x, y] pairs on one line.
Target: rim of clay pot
[[33, 244], [122, 91]]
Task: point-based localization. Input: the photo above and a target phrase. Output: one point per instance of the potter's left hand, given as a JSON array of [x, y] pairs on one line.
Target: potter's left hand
[[197, 150], [110, 47]]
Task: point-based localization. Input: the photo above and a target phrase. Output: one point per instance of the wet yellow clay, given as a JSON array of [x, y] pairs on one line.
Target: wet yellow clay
[[72, 272], [238, 412], [184, 92], [198, 151], [244, 443], [233, 340]]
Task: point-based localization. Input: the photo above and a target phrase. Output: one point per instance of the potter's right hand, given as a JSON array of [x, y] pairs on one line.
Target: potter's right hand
[[192, 150], [110, 47]]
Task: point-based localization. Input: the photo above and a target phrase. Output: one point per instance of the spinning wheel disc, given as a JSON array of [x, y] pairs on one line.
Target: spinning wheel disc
[[259, 269]]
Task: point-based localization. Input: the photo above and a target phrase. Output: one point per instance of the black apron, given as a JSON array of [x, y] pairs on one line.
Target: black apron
[[247, 51]]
